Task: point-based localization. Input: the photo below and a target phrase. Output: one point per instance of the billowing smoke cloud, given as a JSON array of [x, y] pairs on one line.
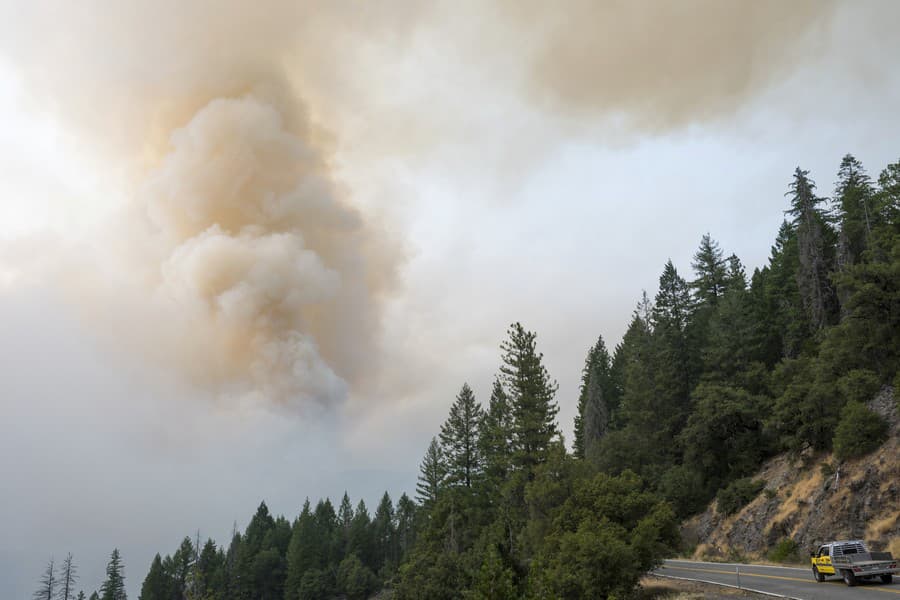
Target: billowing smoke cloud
[[657, 65], [237, 258]]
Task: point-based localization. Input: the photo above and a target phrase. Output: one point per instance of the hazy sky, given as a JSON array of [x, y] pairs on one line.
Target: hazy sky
[[253, 251]]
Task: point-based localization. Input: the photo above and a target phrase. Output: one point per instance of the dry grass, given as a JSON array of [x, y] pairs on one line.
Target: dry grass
[[796, 500], [894, 547], [881, 527]]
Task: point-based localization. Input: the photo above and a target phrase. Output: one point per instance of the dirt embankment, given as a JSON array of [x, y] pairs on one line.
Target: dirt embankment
[[812, 499]]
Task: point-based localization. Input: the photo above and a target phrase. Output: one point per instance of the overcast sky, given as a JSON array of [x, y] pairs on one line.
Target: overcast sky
[[192, 323]]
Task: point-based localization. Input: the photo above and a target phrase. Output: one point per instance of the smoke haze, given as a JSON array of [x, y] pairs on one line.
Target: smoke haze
[[238, 257]]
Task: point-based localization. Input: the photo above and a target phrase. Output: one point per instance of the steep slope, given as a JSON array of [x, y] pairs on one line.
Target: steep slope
[[810, 499]]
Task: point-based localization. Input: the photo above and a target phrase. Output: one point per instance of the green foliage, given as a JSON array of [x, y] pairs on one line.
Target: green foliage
[[738, 494], [786, 551], [531, 394], [355, 580], [606, 525], [859, 385], [860, 432], [113, 587], [459, 439]]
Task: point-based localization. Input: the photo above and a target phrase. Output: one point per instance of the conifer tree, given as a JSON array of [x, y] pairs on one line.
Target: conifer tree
[[179, 567], [95, 596], [80, 596], [594, 410], [68, 575], [853, 197], [114, 586], [531, 393], [385, 534], [406, 525], [302, 552], [361, 540], [432, 474], [459, 439], [157, 585], [345, 519], [47, 587], [813, 245], [711, 270], [495, 436]]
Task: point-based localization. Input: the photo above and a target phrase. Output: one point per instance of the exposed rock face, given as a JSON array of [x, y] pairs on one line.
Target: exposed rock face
[[812, 499]]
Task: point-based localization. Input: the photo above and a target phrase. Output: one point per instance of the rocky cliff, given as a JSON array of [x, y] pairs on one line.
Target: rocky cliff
[[811, 499]]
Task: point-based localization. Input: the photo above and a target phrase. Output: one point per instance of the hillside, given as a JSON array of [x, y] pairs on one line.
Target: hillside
[[810, 498]]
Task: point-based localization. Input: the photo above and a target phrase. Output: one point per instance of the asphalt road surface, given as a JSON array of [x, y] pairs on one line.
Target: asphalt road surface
[[783, 581]]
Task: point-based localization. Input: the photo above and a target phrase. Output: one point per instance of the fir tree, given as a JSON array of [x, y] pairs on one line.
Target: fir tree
[[157, 585], [406, 525], [302, 553], [432, 474], [114, 586], [459, 439], [813, 244], [531, 393], [594, 407], [495, 436], [853, 197], [711, 270], [385, 534], [47, 587], [68, 575]]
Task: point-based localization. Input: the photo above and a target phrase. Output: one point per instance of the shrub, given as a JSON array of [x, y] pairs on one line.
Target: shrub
[[860, 432], [827, 470], [859, 385], [738, 494], [786, 550]]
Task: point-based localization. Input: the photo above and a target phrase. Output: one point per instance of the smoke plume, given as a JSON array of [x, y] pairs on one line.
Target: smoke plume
[[237, 258]]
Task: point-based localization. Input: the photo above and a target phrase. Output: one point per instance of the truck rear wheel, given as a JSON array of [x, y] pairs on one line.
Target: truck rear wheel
[[887, 578], [818, 576], [849, 577]]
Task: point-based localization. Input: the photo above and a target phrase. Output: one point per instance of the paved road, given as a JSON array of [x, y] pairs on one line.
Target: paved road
[[784, 581]]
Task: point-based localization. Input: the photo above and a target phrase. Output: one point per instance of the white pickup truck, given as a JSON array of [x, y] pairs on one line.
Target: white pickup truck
[[852, 561]]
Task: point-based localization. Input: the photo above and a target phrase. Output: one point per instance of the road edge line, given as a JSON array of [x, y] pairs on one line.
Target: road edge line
[[774, 595]]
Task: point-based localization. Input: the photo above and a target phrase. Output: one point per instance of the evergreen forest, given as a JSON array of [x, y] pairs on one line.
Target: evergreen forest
[[718, 370]]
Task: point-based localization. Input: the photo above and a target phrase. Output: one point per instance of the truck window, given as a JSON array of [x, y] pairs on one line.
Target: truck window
[[823, 551]]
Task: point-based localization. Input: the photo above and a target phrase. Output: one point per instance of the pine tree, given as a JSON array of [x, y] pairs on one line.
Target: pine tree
[[95, 596], [362, 543], [302, 552], [80, 596], [114, 586], [47, 587], [385, 534], [711, 270], [531, 393], [813, 236], [157, 585], [495, 436], [406, 525], [345, 518], [459, 439], [594, 410], [432, 474], [853, 196], [179, 568], [67, 578], [676, 360]]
